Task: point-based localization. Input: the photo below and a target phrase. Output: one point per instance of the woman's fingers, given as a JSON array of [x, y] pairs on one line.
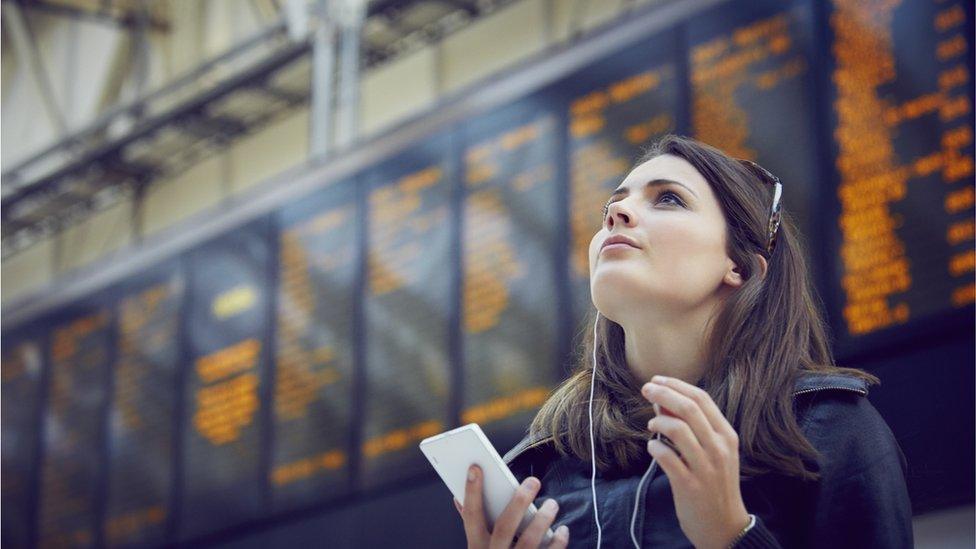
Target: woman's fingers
[[510, 517], [561, 538], [534, 532], [473, 511], [475, 525], [715, 416], [678, 432], [668, 459], [686, 409]]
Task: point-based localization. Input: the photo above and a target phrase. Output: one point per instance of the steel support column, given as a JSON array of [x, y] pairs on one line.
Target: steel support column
[[323, 67], [352, 15]]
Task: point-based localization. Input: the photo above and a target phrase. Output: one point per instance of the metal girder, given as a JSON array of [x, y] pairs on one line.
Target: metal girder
[[107, 162], [217, 127], [471, 8], [107, 12], [26, 49], [61, 174]]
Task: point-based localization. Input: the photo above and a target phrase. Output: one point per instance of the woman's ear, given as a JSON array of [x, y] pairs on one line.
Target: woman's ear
[[763, 266], [733, 277]]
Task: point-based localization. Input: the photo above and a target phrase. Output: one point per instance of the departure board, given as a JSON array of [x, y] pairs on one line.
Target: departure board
[[508, 256], [616, 107], [299, 358], [142, 417], [752, 92], [80, 353], [318, 265], [226, 331], [21, 368], [408, 308], [902, 125]]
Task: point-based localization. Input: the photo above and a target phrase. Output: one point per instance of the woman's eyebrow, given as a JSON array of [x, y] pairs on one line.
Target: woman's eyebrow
[[654, 183]]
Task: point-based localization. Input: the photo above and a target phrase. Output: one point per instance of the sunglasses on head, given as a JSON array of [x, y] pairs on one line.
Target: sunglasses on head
[[774, 215]]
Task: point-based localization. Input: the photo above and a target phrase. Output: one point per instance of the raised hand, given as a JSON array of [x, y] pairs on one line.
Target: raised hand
[[705, 476]]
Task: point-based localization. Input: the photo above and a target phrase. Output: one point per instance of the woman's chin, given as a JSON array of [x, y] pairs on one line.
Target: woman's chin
[[609, 297], [618, 276]]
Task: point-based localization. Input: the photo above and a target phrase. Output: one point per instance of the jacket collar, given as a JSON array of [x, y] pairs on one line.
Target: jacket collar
[[813, 381], [807, 382]]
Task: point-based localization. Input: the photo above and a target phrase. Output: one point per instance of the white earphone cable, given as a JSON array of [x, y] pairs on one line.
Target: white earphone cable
[[596, 513], [633, 518]]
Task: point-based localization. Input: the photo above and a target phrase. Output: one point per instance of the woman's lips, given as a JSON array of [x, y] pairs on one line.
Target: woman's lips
[[617, 246]]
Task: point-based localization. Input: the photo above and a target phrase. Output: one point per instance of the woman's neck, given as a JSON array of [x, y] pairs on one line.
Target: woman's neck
[[674, 347]]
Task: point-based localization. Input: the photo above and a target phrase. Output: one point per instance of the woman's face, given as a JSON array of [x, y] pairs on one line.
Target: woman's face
[[680, 262]]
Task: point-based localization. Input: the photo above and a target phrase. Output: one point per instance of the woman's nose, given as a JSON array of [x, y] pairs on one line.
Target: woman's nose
[[616, 210]]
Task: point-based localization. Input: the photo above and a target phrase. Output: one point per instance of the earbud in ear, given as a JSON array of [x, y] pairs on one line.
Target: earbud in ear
[[736, 277]]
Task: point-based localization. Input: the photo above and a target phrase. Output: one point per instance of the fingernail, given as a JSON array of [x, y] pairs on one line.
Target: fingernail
[[646, 389], [562, 532], [471, 474], [550, 506], [531, 483], [659, 379]]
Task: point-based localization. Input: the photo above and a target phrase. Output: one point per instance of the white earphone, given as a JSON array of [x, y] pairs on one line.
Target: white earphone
[[596, 513]]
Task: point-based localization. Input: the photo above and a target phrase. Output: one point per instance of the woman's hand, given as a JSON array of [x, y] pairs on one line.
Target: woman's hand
[[475, 523], [705, 477]]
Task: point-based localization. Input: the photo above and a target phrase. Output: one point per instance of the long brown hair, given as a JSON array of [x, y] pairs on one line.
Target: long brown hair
[[766, 334]]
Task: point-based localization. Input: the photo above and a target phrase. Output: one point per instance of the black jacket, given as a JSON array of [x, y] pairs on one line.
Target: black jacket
[[861, 499]]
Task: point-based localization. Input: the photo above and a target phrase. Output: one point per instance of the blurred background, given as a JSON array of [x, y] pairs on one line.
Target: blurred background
[[254, 251]]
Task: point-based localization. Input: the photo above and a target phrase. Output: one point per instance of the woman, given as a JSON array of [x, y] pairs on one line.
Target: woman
[[704, 308]]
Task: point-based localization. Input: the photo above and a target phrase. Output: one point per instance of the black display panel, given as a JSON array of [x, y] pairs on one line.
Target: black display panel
[[901, 115], [318, 265], [227, 324], [142, 415], [510, 303], [207, 394], [751, 79], [21, 369], [408, 308], [616, 107], [80, 354]]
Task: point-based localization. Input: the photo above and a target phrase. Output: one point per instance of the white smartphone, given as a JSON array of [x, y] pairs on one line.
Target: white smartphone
[[452, 452]]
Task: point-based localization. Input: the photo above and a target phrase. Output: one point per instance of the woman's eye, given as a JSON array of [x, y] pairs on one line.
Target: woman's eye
[[672, 195], [674, 200]]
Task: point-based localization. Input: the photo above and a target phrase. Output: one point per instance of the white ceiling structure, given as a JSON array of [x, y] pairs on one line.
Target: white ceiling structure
[[118, 137]]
